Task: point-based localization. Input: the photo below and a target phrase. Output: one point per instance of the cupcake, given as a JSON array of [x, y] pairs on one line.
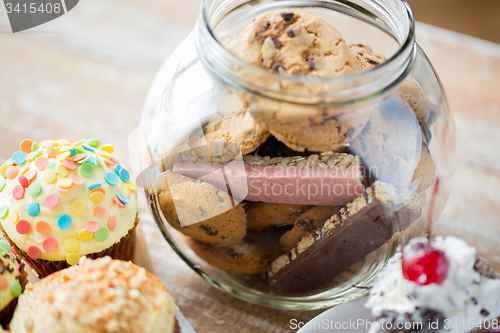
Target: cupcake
[[439, 286], [60, 200], [13, 279], [102, 295]]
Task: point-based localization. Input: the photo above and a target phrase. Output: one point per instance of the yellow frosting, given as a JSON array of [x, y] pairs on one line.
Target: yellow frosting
[[77, 202]]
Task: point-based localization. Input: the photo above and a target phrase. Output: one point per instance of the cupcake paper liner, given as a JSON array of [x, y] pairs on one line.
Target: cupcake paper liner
[[7, 312], [122, 250]]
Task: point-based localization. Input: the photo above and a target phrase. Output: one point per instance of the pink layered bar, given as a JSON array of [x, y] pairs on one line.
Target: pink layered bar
[[274, 180]]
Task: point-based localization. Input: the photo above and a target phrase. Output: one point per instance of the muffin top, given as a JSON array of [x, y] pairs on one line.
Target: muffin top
[[10, 275], [100, 295], [63, 199]]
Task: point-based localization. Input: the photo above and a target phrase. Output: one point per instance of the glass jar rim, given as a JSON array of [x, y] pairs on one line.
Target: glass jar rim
[[220, 61]]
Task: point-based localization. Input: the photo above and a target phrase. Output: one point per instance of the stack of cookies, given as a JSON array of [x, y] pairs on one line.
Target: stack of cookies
[[301, 196]]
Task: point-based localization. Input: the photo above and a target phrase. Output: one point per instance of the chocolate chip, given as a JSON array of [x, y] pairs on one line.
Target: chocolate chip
[[266, 27], [233, 254], [278, 68], [427, 133], [304, 225], [361, 45], [276, 42], [474, 300], [312, 64], [371, 61], [290, 32], [287, 16], [484, 312], [221, 199], [209, 230]]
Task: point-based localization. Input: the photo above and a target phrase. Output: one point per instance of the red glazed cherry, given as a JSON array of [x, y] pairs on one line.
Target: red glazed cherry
[[423, 264]]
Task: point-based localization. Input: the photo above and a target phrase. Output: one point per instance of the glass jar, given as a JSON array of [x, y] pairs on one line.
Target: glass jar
[[292, 191]]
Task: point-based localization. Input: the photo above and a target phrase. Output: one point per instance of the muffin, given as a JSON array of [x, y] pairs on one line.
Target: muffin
[[60, 200], [13, 279], [97, 296], [439, 286]]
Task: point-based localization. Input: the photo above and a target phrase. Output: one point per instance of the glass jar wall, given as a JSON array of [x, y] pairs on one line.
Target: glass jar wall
[[289, 182]]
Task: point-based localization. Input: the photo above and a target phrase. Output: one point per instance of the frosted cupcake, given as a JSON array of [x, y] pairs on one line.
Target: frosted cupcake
[[60, 200], [97, 296], [13, 279]]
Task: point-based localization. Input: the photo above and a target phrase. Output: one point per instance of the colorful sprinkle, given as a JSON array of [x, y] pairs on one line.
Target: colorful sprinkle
[[36, 154], [123, 199], [70, 165], [76, 179], [119, 202], [80, 150], [62, 190], [124, 175], [2, 183], [94, 143], [64, 183], [31, 174], [18, 192], [35, 189], [93, 186], [72, 258], [92, 226], [63, 156], [91, 160], [118, 167], [34, 146], [23, 227], [64, 222], [33, 209], [72, 152], [100, 163], [23, 181], [19, 157], [102, 234], [111, 179], [78, 207], [99, 211], [85, 160], [12, 172], [64, 142], [3, 169], [79, 157], [10, 186], [97, 197], [34, 252], [51, 200], [4, 245], [15, 288], [87, 147], [42, 227], [108, 149], [49, 244], [108, 162], [4, 210], [61, 170], [114, 160], [24, 169], [84, 235], [71, 244], [112, 223], [4, 284], [98, 189], [26, 145], [41, 163], [52, 166], [49, 176], [86, 170], [14, 216], [51, 150]]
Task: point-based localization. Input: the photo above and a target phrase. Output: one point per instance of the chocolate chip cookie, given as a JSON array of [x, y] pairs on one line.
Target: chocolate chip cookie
[[251, 255], [365, 58], [264, 214], [294, 44], [226, 135], [201, 210]]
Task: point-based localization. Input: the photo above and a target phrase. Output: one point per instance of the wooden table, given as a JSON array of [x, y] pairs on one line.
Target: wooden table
[[87, 74]]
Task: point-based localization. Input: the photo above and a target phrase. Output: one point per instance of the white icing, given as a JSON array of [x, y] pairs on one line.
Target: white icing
[[454, 298]]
